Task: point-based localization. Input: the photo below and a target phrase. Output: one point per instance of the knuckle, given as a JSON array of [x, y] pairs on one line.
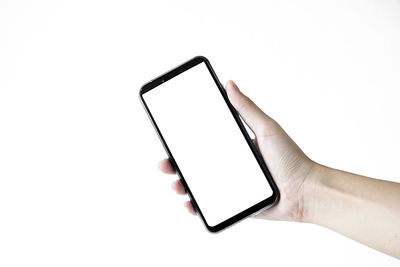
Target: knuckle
[[268, 128], [244, 104]]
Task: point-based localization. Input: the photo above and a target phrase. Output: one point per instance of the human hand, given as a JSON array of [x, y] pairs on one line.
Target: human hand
[[350, 204], [291, 169]]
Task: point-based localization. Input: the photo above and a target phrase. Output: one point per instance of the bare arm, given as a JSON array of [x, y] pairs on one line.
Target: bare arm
[[364, 209]]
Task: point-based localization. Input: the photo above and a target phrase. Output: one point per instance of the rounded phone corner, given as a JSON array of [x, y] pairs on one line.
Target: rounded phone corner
[[276, 196], [212, 229], [202, 58]]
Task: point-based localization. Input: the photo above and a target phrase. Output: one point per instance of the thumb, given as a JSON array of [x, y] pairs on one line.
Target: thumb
[[255, 118]]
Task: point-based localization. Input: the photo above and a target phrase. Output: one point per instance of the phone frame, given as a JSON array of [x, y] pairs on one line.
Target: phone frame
[[255, 209]]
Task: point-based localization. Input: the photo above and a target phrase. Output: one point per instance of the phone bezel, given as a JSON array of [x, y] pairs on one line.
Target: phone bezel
[[266, 203]]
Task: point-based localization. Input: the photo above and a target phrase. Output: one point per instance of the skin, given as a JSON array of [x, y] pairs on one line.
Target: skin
[[364, 209]]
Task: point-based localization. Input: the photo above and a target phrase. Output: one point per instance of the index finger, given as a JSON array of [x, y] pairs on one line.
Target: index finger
[[166, 167]]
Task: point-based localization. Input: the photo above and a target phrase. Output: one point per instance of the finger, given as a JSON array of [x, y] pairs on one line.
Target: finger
[[178, 187], [189, 207], [166, 167], [270, 214], [260, 123]]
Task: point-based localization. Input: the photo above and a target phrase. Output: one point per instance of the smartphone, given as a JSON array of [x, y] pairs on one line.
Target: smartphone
[[207, 144]]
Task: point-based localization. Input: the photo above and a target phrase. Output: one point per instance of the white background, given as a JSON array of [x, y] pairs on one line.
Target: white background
[[78, 179]]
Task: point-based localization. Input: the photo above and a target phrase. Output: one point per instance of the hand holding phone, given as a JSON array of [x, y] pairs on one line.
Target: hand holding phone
[[234, 183], [312, 192], [290, 167]]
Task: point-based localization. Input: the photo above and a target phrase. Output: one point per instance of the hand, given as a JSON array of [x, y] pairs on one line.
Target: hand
[[365, 209], [291, 169]]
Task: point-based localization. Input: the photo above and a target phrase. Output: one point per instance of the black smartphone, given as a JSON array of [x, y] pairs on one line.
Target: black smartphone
[[207, 144]]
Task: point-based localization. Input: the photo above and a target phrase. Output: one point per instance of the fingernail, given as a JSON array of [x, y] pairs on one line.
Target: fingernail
[[233, 85], [229, 83]]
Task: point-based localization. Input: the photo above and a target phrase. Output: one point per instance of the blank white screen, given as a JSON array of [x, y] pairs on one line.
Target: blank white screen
[[207, 144]]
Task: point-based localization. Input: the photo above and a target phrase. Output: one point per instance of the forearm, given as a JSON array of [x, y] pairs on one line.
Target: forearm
[[364, 209]]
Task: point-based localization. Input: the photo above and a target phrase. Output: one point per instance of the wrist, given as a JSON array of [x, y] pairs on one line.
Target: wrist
[[313, 188]]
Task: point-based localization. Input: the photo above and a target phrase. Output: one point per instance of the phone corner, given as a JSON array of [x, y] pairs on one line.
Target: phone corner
[[143, 89], [212, 229], [276, 196], [201, 58]]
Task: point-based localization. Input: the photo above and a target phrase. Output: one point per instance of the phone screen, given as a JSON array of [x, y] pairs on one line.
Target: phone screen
[[207, 144]]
